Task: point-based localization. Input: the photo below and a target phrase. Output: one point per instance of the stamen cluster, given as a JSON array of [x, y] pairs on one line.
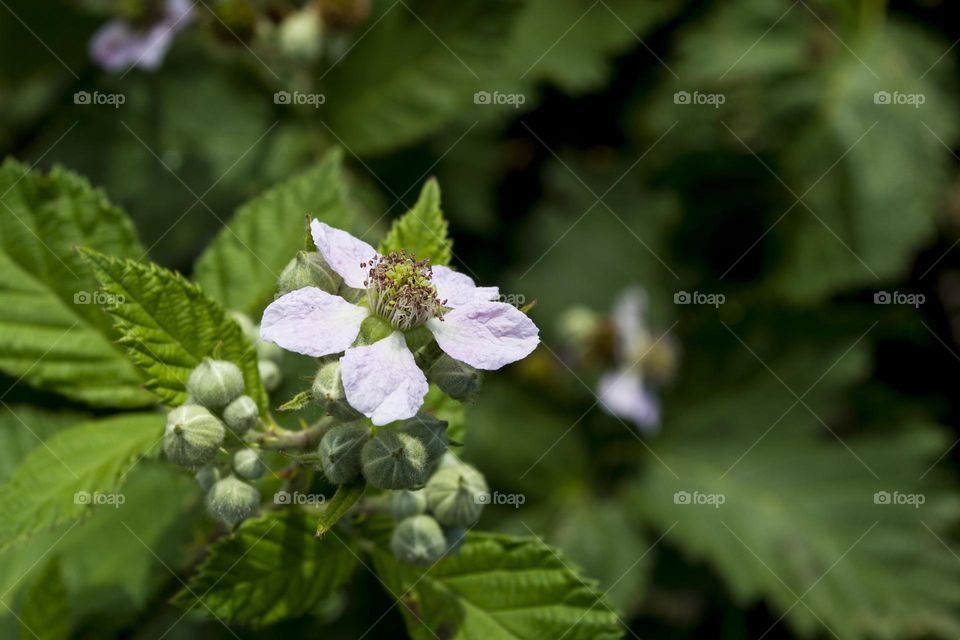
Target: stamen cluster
[[400, 290]]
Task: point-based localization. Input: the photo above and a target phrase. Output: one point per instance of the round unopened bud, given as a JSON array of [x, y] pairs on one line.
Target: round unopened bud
[[301, 34], [308, 269], [268, 351], [241, 414], [418, 540], [215, 383], [340, 452], [270, 374], [232, 501], [431, 432], [193, 436], [394, 460], [456, 495], [405, 503], [247, 464], [207, 476], [246, 325], [457, 379]]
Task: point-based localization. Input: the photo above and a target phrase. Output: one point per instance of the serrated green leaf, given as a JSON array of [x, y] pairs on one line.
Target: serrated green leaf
[[241, 266], [45, 613], [24, 428], [381, 96], [52, 335], [55, 481], [272, 568], [344, 498], [169, 325], [498, 588], [422, 230], [798, 513]]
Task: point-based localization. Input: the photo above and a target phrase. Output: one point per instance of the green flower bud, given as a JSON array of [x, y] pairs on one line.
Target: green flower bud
[[301, 34], [327, 386], [431, 432], [308, 269], [457, 379], [241, 414], [247, 464], [215, 383], [246, 325], [456, 495], [193, 436], [405, 503], [268, 351], [207, 477], [270, 374], [340, 452], [232, 501], [394, 460], [418, 540]]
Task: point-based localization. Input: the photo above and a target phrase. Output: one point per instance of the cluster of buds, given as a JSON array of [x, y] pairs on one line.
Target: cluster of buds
[[196, 433]]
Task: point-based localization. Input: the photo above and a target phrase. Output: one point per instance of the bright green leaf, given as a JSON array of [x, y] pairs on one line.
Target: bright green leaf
[[53, 335], [498, 588], [240, 268], [422, 230], [56, 481], [270, 569], [168, 326]]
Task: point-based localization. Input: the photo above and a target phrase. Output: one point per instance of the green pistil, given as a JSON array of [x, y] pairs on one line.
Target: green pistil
[[399, 290]]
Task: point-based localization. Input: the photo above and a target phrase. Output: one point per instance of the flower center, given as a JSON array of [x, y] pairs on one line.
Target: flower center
[[400, 291]]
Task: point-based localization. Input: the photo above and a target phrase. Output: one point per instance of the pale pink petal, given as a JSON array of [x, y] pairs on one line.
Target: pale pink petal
[[117, 45], [382, 380], [312, 322], [456, 289], [343, 253], [623, 394], [485, 335]]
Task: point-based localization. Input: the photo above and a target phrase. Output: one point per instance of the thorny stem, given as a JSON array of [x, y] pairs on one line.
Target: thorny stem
[[280, 439]]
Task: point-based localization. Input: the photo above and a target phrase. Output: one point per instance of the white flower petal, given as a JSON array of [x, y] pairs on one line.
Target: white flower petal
[[485, 335], [382, 380], [458, 289], [623, 394], [312, 322], [343, 253], [630, 323]]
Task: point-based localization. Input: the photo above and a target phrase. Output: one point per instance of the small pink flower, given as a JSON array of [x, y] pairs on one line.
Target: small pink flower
[[623, 391], [382, 380], [118, 45]]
